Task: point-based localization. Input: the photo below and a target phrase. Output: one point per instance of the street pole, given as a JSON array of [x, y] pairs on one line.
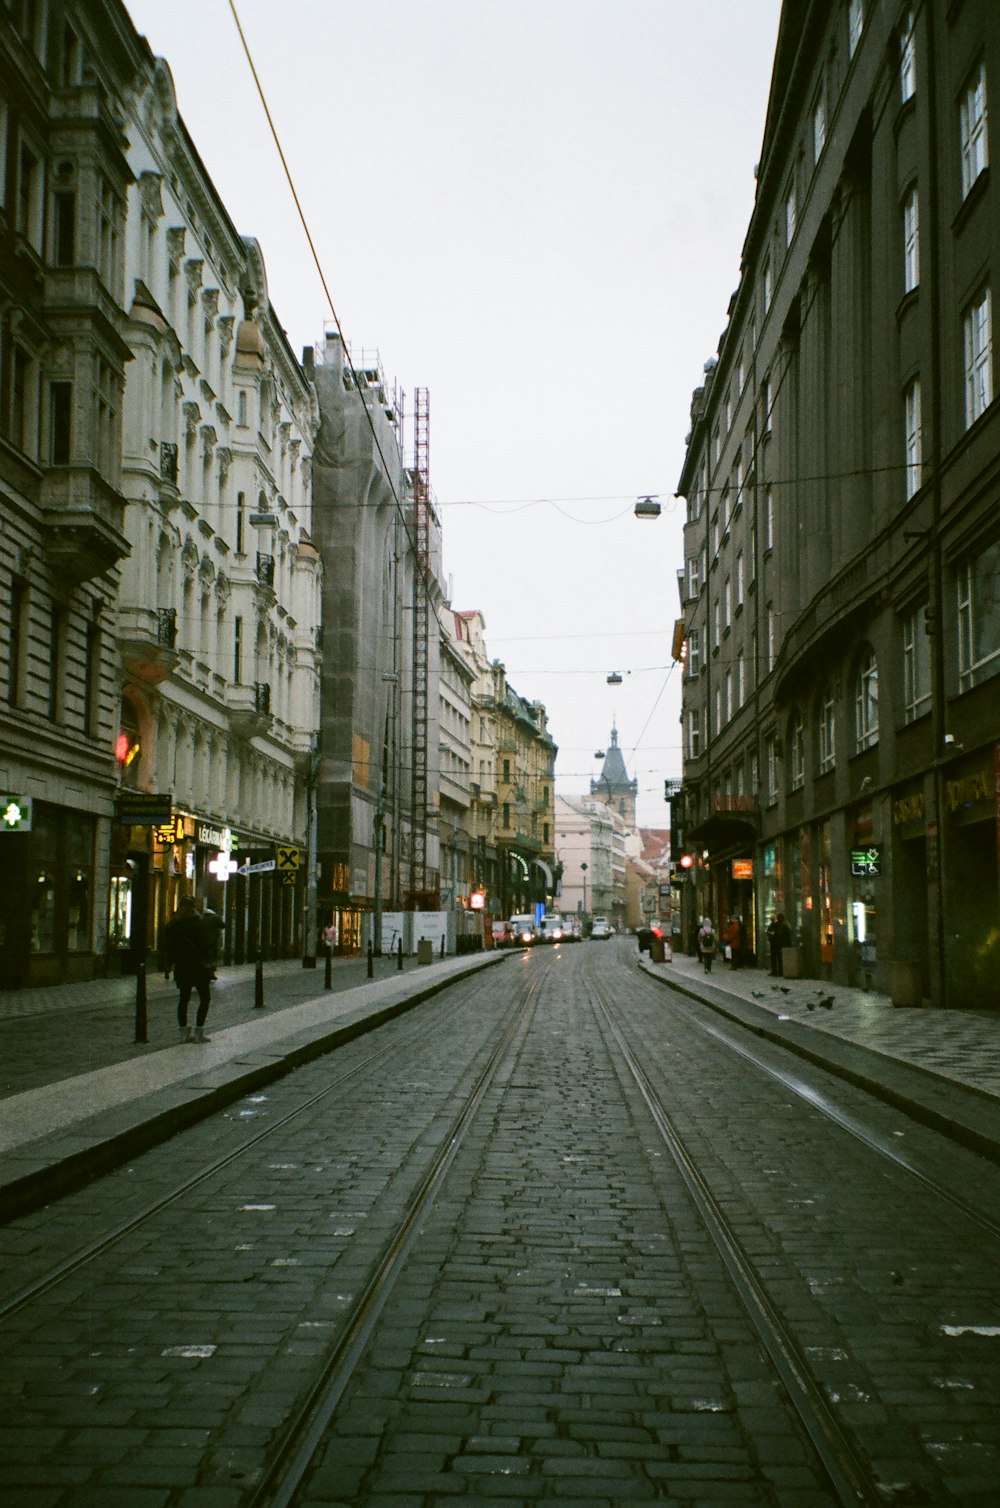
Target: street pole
[[309, 918]]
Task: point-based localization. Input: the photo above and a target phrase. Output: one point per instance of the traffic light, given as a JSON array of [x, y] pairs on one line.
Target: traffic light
[[687, 861], [126, 749]]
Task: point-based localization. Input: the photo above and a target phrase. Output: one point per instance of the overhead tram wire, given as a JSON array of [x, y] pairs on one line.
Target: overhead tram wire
[[329, 299]]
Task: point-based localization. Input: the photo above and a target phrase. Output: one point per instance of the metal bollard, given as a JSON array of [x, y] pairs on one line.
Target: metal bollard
[[141, 1033], [258, 984], [328, 967], [442, 947], [371, 964], [399, 964]]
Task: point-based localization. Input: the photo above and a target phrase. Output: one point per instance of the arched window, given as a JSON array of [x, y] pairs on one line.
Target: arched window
[[866, 700]]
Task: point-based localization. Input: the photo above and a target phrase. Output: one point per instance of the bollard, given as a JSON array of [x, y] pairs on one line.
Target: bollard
[[258, 984], [371, 956], [442, 947], [141, 1034], [328, 967], [399, 964]]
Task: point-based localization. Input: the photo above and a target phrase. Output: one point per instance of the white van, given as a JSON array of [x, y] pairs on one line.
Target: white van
[[551, 928], [523, 927]]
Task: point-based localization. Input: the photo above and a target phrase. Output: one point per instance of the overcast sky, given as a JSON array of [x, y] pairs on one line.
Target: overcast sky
[[535, 209]]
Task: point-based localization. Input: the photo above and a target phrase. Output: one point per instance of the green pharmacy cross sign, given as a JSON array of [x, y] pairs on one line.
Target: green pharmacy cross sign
[[867, 861], [15, 814]]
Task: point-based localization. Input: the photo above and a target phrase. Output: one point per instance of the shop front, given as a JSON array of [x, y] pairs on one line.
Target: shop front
[[47, 886], [971, 823]]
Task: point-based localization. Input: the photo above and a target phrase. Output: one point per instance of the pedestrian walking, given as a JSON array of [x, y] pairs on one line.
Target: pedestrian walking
[[779, 937], [188, 944], [707, 943]]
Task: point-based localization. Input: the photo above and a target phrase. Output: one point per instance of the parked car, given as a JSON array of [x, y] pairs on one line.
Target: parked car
[[523, 927], [600, 929], [503, 934], [571, 929]]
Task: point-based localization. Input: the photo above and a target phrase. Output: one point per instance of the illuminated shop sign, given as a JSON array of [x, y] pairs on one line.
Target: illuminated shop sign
[[867, 861], [743, 869]]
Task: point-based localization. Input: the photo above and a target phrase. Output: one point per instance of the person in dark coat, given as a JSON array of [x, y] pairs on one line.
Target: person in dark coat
[[707, 943], [779, 936], [188, 947]]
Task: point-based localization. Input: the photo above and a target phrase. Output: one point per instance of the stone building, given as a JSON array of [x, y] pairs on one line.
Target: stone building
[[513, 786], [370, 741], [457, 678], [67, 73], [219, 599], [842, 544]]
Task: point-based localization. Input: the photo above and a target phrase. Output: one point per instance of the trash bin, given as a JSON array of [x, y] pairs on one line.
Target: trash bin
[[657, 953], [425, 950]]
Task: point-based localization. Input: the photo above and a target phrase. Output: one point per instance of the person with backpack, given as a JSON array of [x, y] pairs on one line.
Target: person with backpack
[[707, 943]]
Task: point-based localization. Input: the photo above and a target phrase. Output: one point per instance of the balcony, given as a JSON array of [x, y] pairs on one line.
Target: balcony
[[147, 643], [83, 517], [249, 709]]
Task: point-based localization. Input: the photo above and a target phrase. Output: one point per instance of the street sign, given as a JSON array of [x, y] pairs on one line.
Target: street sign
[[289, 878], [867, 861], [264, 867], [143, 808], [287, 859], [15, 814]]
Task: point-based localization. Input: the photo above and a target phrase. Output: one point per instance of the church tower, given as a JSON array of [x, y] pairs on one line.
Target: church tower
[[613, 786]]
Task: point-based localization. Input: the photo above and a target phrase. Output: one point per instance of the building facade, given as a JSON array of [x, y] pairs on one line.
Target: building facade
[[67, 73], [219, 598], [455, 687], [842, 542]]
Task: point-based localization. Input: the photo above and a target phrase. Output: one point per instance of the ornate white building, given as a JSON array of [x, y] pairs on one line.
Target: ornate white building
[[220, 596]]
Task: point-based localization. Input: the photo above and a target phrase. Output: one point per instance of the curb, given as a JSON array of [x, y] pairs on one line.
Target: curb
[[962, 1112], [60, 1163]]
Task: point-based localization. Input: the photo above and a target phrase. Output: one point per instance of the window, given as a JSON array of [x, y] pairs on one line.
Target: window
[[28, 213], [506, 814], [107, 418], [796, 751], [718, 710], [23, 423], [768, 519], [765, 404], [907, 58], [57, 642], [694, 576], [768, 284], [979, 618], [978, 357], [716, 625], [741, 680], [739, 580], [694, 732], [913, 442], [694, 652], [771, 759], [16, 642], [911, 241], [770, 630], [91, 677], [916, 666], [729, 695], [855, 24], [826, 730], [866, 702], [791, 213], [506, 772], [972, 129], [727, 603], [60, 422], [819, 126], [70, 62], [237, 651], [64, 230]]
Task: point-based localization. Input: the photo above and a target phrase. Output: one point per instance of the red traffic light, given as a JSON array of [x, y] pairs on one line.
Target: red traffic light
[[686, 860]]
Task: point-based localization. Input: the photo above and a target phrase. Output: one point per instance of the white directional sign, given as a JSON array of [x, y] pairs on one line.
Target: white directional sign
[[264, 865]]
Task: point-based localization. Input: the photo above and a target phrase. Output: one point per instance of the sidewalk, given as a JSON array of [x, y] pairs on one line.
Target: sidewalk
[[941, 1067], [63, 1122]]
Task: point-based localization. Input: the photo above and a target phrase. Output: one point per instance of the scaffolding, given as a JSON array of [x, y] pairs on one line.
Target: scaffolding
[[421, 636]]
